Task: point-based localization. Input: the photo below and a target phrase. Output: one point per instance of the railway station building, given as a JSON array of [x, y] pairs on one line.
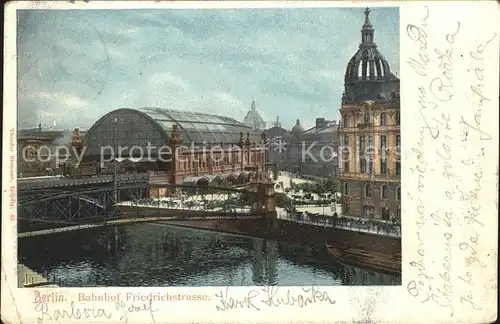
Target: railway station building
[[178, 147]]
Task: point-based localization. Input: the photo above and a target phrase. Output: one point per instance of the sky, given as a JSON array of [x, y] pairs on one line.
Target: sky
[[76, 65]]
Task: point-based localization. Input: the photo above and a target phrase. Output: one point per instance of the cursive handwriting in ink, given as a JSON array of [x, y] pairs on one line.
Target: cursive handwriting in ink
[[471, 247], [442, 87], [418, 34], [477, 90], [73, 313], [228, 302], [312, 296], [135, 308], [273, 296]]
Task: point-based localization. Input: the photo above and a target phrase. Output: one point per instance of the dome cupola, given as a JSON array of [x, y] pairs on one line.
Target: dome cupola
[[297, 129], [368, 75], [254, 119]]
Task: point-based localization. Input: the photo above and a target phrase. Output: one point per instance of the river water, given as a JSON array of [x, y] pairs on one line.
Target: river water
[[157, 254]]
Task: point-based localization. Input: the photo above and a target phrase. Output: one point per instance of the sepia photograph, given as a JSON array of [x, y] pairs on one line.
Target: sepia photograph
[[208, 147]]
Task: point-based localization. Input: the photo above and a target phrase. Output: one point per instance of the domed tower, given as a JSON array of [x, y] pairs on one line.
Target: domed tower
[[254, 119], [368, 75], [297, 129], [370, 163]]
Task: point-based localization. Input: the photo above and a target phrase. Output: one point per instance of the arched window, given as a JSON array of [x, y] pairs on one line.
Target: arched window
[[384, 191], [398, 193], [398, 118], [368, 190], [383, 119], [346, 189], [366, 118]]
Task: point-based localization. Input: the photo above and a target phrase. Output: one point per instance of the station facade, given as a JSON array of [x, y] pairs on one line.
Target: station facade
[[178, 147]]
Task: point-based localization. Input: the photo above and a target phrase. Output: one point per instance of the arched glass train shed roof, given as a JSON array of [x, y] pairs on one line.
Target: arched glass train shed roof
[[153, 126]]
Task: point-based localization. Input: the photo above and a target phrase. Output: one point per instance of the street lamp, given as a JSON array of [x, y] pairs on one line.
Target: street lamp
[[115, 196]]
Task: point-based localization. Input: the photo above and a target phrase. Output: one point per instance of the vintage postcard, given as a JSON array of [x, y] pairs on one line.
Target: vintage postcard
[[258, 162]]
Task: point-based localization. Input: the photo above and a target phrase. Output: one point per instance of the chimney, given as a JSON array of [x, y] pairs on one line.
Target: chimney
[[320, 122], [75, 140]]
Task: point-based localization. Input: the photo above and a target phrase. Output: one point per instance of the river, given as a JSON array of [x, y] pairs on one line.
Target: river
[[157, 254]]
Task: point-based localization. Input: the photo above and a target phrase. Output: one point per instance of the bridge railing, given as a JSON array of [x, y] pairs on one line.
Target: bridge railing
[[358, 225], [68, 182]]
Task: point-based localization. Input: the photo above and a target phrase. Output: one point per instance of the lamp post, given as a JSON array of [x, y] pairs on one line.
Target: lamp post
[[115, 195]]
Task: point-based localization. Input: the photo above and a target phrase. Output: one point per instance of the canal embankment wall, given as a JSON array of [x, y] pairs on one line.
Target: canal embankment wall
[[292, 232], [280, 230], [273, 229], [27, 277]]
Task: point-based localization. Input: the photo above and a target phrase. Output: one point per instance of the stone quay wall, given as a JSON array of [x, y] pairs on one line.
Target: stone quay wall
[[307, 234]]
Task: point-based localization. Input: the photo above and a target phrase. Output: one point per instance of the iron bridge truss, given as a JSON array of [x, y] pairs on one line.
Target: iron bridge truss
[[103, 203]]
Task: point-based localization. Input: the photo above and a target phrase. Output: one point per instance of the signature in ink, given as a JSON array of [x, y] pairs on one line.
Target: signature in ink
[[228, 302]]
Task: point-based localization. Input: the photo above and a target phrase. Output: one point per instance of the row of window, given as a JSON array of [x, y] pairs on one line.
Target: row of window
[[368, 211], [217, 162], [382, 120], [367, 167], [368, 191], [362, 147]]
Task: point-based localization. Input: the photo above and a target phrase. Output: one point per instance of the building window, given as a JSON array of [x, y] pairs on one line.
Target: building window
[[366, 118], [346, 122], [368, 190], [398, 118], [383, 143], [398, 142], [383, 119], [398, 168], [398, 214], [383, 166], [362, 165], [398, 193], [368, 211], [346, 166], [385, 213], [346, 189], [362, 144], [370, 142], [346, 140], [384, 191]]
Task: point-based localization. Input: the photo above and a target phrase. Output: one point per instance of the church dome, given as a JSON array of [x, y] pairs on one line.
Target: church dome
[[297, 129], [254, 119], [368, 75]]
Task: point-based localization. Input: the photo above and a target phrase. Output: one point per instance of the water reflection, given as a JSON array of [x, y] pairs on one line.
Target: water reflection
[[162, 255]]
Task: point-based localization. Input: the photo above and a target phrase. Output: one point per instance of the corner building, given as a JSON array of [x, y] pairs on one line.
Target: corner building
[[370, 167]]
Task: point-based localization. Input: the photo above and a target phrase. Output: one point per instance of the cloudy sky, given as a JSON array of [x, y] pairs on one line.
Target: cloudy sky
[[76, 65]]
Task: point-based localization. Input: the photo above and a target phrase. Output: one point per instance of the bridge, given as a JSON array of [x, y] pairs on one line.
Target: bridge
[[133, 199], [24, 184]]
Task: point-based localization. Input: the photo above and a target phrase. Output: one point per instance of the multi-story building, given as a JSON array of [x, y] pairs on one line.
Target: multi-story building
[[277, 139], [319, 147], [370, 133], [312, 151], [38, 151]]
